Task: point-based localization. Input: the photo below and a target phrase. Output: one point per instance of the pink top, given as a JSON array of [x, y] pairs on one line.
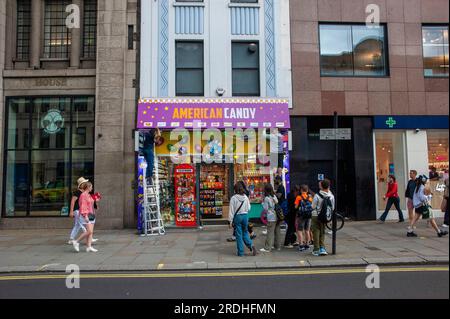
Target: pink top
[[86, 204]]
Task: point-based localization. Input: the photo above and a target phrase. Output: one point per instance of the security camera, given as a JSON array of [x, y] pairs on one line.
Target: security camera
[[417, 130], [252, 47], [220, 91]]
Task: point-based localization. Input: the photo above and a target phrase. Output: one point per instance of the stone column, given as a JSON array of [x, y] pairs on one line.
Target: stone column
[[36, 33], [76, 41], [2, 59]]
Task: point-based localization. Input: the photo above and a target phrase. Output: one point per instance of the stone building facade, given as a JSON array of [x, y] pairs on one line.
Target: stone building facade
[[67, 108]]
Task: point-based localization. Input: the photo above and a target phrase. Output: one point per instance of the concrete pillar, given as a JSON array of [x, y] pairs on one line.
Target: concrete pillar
[[36, 31], [417, 151], [75, 45], [10, 48]]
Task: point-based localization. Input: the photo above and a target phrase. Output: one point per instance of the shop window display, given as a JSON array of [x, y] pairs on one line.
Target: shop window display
[[438, 142], [214, 190], [390, 160]]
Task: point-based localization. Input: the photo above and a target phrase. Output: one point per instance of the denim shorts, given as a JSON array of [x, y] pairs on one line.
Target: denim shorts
[[303, 224]]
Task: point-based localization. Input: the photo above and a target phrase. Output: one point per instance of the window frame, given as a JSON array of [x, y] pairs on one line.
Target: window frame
[[84, 38], [60, 56], [424, 25], [176, 67], [30, 148], [386, 51], [259, 68], [28, 26]]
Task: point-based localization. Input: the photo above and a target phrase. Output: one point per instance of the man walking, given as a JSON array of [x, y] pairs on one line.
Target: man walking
[[409, 193]]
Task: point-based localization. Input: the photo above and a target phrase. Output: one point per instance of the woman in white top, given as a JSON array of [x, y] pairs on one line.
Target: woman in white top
[[238, 218], [273, 225]]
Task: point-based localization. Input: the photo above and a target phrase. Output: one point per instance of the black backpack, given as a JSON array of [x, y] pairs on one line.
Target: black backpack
[[326, 210]]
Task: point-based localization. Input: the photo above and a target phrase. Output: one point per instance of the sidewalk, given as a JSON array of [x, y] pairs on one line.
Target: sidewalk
[[359, 243]]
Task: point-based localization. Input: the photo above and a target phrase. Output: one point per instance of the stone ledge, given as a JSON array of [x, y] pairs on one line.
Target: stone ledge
[[49, 73], [395, 260]]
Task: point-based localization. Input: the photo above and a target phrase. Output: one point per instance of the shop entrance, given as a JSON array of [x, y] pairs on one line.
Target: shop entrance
[[214, 190]]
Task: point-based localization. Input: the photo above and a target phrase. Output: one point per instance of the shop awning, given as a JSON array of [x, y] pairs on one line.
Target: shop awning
[[213, 113]]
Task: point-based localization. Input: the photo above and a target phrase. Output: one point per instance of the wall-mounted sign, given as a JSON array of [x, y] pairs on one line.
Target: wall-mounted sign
[[213, 113], [52, 122], [410, 122], [51, 82], [336, 134]]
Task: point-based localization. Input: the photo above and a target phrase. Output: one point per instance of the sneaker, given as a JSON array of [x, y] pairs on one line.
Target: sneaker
[[323, 252], [289, 247], [295, 244], [230, 240], [307, 247], [442, 233], [445, 225], [94, 240], [311, 243], [70, 242], [380, 221], [411, 234], [76, 246], [301, 248], [264, 232], [91, 249], [316, 253], [401, 221], [264, 250]]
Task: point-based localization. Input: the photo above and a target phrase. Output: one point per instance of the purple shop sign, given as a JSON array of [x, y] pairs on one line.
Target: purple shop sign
[[213, 113]]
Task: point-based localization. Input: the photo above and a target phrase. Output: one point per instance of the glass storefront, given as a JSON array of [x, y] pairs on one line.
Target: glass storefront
[[438, 163], [391, 158], [50, 144]]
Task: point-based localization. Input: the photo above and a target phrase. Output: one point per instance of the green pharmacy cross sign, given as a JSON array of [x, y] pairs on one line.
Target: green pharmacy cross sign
[[391, 122]]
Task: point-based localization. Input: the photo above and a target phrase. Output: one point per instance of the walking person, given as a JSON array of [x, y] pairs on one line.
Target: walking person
[[323, 202], [444, 204], [75, 211], [238, 218], [303, 206], [421, 206], [291, 216], [87, 215], [409, 193], [392, 199], [273, 224]]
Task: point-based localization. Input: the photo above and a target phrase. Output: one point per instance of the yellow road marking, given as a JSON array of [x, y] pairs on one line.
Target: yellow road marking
[[228, 274]]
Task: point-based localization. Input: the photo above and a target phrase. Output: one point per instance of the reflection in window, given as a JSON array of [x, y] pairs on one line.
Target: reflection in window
[[245, 63], [41, 168], [57, 37], [435, 50], [438, 142], [189, 69], [352, 50], [390, 160]]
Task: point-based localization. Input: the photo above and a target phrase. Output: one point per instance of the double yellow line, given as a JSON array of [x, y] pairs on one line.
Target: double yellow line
[[302, 272]]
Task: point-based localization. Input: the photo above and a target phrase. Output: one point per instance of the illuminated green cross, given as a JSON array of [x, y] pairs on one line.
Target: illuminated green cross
[[391, 122]]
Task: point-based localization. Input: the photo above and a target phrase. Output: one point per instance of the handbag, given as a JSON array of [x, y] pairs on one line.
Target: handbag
[[280, 213], [91, 217], [426, 212]]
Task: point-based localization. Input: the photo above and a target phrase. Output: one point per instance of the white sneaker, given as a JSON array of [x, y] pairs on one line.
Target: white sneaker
[[264, 251], [445, 225], [91, 249], [76, 246], [264, 232], [70, 242], [94, 240]]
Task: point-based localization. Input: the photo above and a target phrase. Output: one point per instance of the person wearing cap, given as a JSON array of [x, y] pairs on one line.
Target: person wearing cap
[[421, 204], [75, 212]]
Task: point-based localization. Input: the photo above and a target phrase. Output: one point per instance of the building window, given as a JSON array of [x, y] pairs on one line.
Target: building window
[[189, 68], [23, 30], [45, 154], [244, 1], [438, 163], [245, 63], [57, 37], [435, 51], [90, 29], [353, 50]]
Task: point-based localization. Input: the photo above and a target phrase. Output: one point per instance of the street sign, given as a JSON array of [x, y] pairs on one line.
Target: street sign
[[331, 134], [320, 177]]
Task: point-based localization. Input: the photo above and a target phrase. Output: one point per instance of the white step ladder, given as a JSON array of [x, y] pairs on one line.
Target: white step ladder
[[153, 222]]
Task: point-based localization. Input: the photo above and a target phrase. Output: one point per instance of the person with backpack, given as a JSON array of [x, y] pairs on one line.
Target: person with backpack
[[422, 206], [323, 207], [238, 218], [291, 217], [274, 219], [303, 206], [392, 199]]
